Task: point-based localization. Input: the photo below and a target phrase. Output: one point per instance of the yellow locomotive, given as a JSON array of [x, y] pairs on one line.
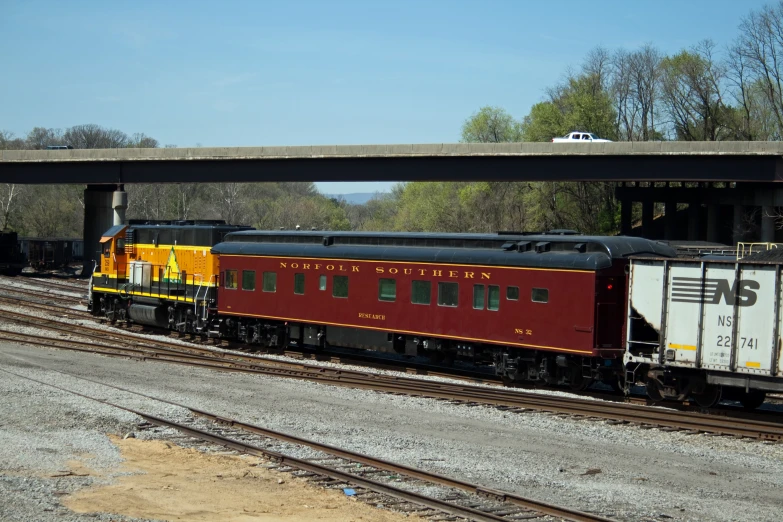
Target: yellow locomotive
[[159, 273]]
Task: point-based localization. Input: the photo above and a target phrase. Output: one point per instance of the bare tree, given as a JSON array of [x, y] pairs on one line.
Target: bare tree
[[229, 202], [10, 142], [692, 87], [9, 197], [41, 137], [636, 91], [756, 60], [93, 136], [142, 141]]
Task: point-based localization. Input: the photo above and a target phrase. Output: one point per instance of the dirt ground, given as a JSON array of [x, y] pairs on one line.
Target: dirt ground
[[167, 482]]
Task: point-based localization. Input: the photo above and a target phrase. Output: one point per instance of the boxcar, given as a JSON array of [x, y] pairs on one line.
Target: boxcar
[[708, 329], [538, 307]]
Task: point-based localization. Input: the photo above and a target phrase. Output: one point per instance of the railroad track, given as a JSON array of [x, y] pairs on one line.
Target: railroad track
[[60, 298], [74, 285], [510, 400], [341, 468], [57, 310]]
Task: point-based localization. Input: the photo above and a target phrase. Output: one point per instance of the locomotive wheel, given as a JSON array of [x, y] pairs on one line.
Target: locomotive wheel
[[752, 400], [709, 397]]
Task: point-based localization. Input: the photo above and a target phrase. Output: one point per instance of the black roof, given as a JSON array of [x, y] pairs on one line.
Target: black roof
[[185, 233], [507, 249]]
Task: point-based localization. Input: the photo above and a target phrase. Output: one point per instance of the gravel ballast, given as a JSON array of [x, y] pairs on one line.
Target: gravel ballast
[[623, 472]]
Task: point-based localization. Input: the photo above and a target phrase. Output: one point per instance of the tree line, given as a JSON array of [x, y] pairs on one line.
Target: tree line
[[702, 93]]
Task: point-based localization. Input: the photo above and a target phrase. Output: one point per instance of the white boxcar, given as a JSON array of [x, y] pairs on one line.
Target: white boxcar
[[705, 329]]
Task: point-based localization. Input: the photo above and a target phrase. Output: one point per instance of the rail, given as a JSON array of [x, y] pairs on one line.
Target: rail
[[338, 473]]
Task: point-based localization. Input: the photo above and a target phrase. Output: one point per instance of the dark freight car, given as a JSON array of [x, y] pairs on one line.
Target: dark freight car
[[47, 253], [11, 258]]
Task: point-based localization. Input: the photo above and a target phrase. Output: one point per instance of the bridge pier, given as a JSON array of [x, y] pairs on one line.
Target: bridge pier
[[103, 208], [626, 218], [767, 224], [670, 220], [694, 221], [713, 218], [753, 205], [648, 207]]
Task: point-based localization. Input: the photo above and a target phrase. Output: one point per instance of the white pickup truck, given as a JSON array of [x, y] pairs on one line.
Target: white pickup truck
[[580, 137]]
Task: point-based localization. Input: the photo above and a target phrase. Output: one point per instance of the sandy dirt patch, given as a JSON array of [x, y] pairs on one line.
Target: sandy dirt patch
[[168, 482]]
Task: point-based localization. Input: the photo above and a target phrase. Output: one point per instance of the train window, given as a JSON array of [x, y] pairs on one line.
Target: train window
[[448, 294], [478, 297], [107, 248], [299, 280], [493, 298], [540, 295], [231, 279], [512, 293], [340, 286], [270, 282], [120, 245], [387, 290], [248, 279], [421, 292], [322, 283]]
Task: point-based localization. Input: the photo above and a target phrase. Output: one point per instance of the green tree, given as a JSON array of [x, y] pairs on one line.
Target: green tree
[[490, 125], [582, 103]]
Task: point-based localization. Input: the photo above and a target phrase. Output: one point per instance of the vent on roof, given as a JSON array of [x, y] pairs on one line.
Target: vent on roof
[[509, 246], [524, 246], [542, 246], [328, 240], [580, 247]]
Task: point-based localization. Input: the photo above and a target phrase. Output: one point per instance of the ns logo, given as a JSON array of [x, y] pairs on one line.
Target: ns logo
[[689, 290]]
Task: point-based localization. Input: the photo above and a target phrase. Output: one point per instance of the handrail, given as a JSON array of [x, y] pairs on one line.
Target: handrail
[[762, 247]]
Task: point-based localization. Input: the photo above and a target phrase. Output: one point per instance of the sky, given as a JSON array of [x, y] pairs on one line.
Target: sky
[[323, 72]]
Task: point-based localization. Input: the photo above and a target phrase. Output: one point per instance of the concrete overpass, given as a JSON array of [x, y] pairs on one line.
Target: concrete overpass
[[622, 161], [740, 175]]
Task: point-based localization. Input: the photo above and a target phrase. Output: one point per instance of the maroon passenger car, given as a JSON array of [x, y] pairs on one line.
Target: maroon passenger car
[[540, 307]]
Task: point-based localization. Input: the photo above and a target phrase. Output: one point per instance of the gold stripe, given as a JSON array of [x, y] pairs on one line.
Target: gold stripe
[[751, 364], [688, 347], [160, 296], [407, 263], [410, 332]]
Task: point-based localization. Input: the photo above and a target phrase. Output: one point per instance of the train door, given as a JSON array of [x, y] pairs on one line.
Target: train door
[[609, 316]]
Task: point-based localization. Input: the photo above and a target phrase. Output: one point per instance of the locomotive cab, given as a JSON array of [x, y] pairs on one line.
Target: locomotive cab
[[113, 257]]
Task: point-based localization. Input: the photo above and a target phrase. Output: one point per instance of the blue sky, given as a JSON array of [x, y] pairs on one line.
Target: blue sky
[[304, 73]]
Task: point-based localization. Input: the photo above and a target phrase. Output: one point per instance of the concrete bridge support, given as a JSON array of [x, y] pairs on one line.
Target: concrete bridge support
[[753, 205], [626, 218], [648, 206], [670, 220], [103, 208], [694, 221], [738, 230], [713, 219], [767, 224]]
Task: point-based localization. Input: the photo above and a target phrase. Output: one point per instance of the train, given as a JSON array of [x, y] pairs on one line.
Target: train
[[38, 253], [555, 309]]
